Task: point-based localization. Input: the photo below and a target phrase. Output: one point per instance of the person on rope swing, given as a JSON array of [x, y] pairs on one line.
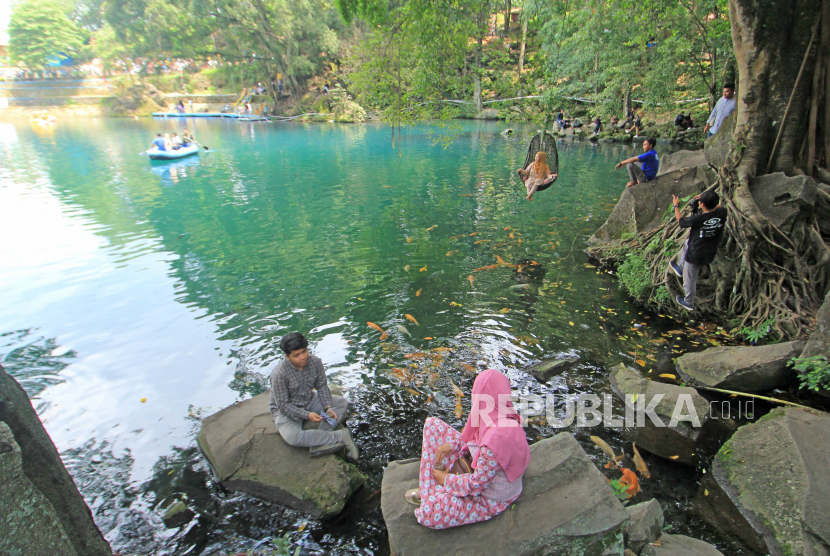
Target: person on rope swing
[[293, 401], [476, 474], [537, 173], [642, 168], [702, 246]]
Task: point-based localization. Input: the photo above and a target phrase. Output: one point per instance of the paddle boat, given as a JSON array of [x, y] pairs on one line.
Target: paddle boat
[[156, 154], [42, 117]]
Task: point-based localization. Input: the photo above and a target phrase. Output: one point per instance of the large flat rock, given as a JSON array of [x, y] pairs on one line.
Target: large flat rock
[[744, 368], [247, 454], [680, 160], [783, 199], [771, 484], [680, 545], [642, 207], [678, 442], [566, 508]]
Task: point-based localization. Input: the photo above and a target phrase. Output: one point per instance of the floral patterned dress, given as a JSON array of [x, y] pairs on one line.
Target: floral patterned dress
[[459, 500]]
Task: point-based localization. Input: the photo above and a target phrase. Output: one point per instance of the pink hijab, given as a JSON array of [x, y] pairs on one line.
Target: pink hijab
[[493, 422]]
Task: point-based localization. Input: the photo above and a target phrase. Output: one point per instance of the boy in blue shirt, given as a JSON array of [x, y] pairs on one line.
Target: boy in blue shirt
[[644, 167], [158, 142]]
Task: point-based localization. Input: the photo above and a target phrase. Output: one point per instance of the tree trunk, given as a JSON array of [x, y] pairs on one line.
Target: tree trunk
[[626, 101], [522, 51], [507, 19], [477, 93]]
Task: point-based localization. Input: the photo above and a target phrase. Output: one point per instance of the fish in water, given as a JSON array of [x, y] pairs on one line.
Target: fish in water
[[406, 268], [520, 287], [432, 228], [470, 278], [375, 326], [488, 267], [473, 234], [423, 269], [418, 293], [451, 253], [411, 319], [500, 260], [481, 241], [402, 329], [435, 275]]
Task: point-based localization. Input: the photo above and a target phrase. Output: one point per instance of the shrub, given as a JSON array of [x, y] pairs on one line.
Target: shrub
[[758, 334], [814, 372], [344, 108], [634, 275]]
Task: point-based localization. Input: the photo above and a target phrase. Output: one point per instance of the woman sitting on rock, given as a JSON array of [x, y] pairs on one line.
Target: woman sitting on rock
[[537, 173], [474, 475]]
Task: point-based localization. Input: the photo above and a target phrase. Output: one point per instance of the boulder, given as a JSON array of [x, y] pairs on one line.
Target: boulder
[[28, 520], [744, 368], [642, 207], [784, 200], [680, 545], [680, 160], [770, 484], [247, 454], [43, 468], [488, 114], [177, 514], [549, 368], [645, 525], [679, 442], [507, 132], [566, 508], [819, 342], [717, 146]]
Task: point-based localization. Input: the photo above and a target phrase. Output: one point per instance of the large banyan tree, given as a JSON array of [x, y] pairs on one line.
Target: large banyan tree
[[764, 275]]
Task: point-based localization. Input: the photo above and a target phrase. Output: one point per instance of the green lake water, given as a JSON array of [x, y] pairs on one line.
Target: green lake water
[[140, 296]]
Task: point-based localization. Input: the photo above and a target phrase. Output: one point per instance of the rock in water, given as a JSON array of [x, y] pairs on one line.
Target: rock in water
[[42, 466], [678, 442], [645, 525], [680, 545], [565, 503], [744, 368], [549, 368], [641, 208], [680, 160], [771, 484], [247, 454]]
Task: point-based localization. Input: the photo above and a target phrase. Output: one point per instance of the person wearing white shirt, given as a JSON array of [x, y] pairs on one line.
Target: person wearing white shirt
[[724, 107]]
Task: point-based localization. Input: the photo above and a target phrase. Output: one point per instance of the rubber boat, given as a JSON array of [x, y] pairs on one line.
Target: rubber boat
[[42, 118], [156, 154]]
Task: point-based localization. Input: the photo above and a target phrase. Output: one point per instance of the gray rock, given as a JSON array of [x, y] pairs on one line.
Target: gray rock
[[566, 507], [680, 545], [679, 442], [544, 370], [718, 145], [247, 454], [819, 342], [506, 132], [488, 114], [42, 466], [645, 524], [744, 368], [29, 522], [784, 200], [642, 207], [177, 514], [680, 160], [771, 484]]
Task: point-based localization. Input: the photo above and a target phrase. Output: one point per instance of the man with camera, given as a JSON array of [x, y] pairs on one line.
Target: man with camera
[[702, 246]]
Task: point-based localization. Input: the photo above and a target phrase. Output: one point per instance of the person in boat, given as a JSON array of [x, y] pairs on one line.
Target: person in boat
[[537, 173], [187, 138], [476, 474], [293, 402], [158, 143], [168, 143], [176, 142]]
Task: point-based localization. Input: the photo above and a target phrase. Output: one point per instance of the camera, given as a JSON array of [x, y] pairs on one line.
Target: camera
[[695, 205]]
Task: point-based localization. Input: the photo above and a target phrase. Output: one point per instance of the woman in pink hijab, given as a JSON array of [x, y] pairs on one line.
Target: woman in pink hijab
[[476, 474]]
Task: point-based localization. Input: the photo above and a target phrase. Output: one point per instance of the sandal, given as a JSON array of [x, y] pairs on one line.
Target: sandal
[[413, 496]]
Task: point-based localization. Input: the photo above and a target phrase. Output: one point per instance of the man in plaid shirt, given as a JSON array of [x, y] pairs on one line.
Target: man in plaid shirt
[[296, 407]]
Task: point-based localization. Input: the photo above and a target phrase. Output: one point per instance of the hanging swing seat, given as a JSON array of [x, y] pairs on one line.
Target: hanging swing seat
[[546, 143]]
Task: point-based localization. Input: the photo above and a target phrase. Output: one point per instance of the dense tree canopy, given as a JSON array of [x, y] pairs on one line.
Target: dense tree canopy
[[41, 31]]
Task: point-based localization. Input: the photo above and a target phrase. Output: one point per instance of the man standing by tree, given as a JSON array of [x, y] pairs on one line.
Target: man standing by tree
[[701, 247], [724, 107]]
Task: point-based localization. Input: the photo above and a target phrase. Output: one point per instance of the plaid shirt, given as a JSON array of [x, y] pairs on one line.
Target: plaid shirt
[[292, 389]]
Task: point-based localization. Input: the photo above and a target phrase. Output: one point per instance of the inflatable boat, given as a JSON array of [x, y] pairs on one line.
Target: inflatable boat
[[156, 154]]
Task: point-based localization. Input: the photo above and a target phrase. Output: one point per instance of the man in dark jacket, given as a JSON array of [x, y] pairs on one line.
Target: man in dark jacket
[[700, 249]]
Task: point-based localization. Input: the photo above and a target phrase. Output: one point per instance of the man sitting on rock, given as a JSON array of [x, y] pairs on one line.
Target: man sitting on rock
[[701, 247], [293, 402], [644, 167]]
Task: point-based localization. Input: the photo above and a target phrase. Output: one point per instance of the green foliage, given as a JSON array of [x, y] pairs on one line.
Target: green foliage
[[41, 31], [662, 295], [344, 108], [814, 372], [280, 546], [758, 334], [634, 275]]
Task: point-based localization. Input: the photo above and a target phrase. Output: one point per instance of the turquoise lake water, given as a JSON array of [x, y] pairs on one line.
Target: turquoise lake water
[[141, 296]]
